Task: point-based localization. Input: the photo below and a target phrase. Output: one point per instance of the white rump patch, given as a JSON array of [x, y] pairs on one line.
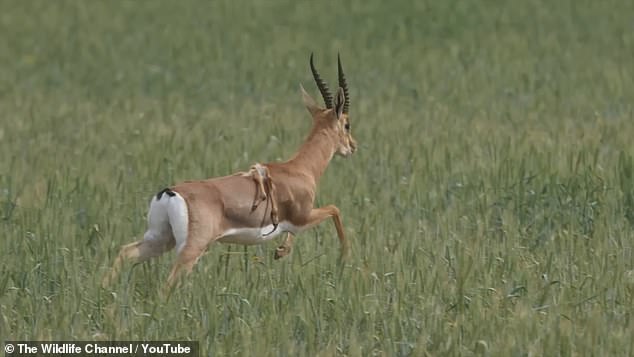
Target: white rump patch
[[251, 236], [179, 219], [168, 212], [157, 221]]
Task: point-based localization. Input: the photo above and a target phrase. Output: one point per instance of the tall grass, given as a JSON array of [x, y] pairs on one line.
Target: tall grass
[[490, 207]]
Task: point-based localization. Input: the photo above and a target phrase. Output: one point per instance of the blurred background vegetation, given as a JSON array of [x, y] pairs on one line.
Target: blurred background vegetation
[[490, 206]]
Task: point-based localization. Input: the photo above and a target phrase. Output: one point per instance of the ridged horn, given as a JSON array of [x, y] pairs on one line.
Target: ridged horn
[[344, 85], [323, 88]]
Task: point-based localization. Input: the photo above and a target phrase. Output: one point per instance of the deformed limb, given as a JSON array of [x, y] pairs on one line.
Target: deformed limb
[[264, 191], [272, 194], [259, 174]]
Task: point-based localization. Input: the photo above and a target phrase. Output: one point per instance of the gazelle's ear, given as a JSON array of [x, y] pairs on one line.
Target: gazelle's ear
[[340, 101], [309, 102]]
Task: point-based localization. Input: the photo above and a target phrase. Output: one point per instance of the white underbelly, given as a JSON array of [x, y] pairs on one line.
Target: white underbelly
[[251, 236]]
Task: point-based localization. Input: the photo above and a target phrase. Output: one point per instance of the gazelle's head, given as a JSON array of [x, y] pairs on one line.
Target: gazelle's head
[[334, 117]]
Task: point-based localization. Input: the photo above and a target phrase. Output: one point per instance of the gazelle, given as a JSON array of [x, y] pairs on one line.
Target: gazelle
[[193, 214]]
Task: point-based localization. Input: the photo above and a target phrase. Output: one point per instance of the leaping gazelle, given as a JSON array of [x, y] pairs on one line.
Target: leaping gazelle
[[193, 214]]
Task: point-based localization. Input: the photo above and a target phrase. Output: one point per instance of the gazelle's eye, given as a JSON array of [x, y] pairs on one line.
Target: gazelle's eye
[[347, 126]]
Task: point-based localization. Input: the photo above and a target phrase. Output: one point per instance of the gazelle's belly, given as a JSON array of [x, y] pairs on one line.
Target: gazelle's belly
[[251, 236]]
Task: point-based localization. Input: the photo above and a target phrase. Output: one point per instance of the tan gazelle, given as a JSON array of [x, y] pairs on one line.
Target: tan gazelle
[[250, 207]]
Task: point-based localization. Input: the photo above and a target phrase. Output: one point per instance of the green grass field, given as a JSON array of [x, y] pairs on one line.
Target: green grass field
[[490, 207]]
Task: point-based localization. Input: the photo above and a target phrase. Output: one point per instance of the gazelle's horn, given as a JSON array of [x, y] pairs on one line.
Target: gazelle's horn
[[344, 85], [323, 88]]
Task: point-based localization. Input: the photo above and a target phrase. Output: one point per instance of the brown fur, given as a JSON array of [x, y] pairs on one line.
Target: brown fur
[[217, 204]]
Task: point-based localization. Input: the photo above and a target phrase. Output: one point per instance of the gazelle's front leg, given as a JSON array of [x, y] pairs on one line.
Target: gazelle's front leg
[[286, 247], [318, 215]]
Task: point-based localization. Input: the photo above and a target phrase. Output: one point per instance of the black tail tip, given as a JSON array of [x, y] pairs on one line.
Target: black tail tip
[[167, 191]]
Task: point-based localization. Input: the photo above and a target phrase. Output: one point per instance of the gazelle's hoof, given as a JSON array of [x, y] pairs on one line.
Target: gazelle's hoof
[[282, 251]]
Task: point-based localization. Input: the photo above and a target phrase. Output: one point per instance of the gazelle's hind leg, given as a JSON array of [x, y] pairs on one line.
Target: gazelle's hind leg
[[185, 262], [150, 246], [191, 243], [157, 240]]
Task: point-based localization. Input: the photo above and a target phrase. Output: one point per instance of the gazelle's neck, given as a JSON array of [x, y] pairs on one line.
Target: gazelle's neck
[[315, 153]]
